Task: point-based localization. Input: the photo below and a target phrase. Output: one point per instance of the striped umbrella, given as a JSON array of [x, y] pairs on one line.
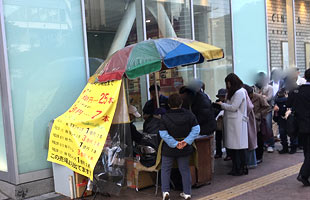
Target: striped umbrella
[[154, 55]]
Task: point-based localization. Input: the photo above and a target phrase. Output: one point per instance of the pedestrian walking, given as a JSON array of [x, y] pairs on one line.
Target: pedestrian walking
[[235, 123], [299, 102], [178, 128]]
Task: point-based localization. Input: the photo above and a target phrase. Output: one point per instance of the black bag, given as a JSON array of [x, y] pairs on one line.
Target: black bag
[[291, 125]]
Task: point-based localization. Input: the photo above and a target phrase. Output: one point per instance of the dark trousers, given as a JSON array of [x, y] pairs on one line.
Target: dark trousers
[[283, 134], [228, 152], [183, 164], [218, 142], [238, 157], [260, 146], [305, 168]]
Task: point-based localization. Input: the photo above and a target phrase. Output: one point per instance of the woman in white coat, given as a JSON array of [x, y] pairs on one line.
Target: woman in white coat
[[235, 124]]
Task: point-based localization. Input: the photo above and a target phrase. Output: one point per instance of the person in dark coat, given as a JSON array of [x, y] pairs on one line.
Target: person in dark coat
[[299, 102], [178, 129], [201, 106], [279, 116], [221, 95], [151, 105]]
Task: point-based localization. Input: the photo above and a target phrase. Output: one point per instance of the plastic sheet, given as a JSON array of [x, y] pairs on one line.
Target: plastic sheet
[[110, 171]]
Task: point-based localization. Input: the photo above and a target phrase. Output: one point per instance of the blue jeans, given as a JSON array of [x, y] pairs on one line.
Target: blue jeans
[[270, 142], [183, 164], [251, 158]]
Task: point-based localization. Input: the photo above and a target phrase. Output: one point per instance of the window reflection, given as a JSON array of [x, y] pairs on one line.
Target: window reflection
[[166, 19], [213, 26]]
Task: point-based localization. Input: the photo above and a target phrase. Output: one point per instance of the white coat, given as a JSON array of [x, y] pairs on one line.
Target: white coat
[[235, 121]]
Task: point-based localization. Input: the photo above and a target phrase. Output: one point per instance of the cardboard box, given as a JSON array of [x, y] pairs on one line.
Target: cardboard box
[[80, 185], [139, 180]]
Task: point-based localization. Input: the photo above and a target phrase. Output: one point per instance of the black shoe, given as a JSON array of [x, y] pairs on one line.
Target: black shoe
[[293, 150], [217, 156], [246, 171], [231, 173], [303, 180], [259, 161], [283, 151], [228, 158]]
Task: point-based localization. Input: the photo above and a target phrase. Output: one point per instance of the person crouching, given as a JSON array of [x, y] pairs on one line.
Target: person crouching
[[178, 128]]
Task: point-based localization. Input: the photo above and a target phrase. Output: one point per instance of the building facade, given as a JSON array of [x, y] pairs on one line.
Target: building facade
[[278, 33], [49, 48]]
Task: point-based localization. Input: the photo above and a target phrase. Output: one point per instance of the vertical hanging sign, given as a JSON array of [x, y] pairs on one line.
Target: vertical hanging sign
[[78, 136]]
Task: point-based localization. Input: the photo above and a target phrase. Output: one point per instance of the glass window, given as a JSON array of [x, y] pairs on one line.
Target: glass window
[[111, 25], [166, 19], [46, 62], [213, 26], [302, 28], [3, 159]]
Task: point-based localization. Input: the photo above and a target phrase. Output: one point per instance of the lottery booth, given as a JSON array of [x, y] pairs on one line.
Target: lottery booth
[[90, 144]]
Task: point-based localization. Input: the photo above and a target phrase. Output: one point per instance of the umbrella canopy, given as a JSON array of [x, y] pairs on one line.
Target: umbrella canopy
[[153, 55]]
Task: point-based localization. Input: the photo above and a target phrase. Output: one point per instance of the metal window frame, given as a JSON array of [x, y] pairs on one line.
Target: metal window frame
[[305, 46], [7, 108], [267, 41], [232, 35], [147, 76], [192, 20], [83, 15]]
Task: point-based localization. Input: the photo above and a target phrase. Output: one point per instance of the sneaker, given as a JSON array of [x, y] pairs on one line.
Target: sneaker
[[166, 196], [270, 150], [283, 151], [185, 196]]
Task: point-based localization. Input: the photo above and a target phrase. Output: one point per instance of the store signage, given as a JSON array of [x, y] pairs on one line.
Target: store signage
[[281, 18], [78, 136]]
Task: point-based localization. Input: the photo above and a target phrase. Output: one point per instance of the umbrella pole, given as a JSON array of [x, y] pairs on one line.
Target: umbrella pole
[[156, 91]]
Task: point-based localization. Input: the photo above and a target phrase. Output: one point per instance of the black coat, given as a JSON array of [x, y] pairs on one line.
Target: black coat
[[150, 106], [202, 108], [299, 101], [179, 124]]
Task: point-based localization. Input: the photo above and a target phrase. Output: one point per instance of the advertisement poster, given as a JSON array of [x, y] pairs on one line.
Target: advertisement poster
[[78, 136]]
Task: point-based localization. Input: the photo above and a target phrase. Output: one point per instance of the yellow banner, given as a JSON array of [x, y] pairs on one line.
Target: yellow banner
[[78, 136]]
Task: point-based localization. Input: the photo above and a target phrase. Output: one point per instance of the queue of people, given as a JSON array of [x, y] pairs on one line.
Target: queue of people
[[241, 118]]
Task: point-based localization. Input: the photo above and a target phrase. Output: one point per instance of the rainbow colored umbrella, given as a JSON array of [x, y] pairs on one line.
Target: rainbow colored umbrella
[[154, 55]]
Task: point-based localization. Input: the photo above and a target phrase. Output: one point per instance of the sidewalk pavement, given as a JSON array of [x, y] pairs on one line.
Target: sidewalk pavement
[[3, 197], [281, 186]]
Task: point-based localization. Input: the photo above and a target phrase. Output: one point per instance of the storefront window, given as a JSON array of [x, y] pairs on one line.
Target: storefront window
[[47, 70], [111, 25], [302, 28], [165, 19], [213, 26], [3, 159]]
